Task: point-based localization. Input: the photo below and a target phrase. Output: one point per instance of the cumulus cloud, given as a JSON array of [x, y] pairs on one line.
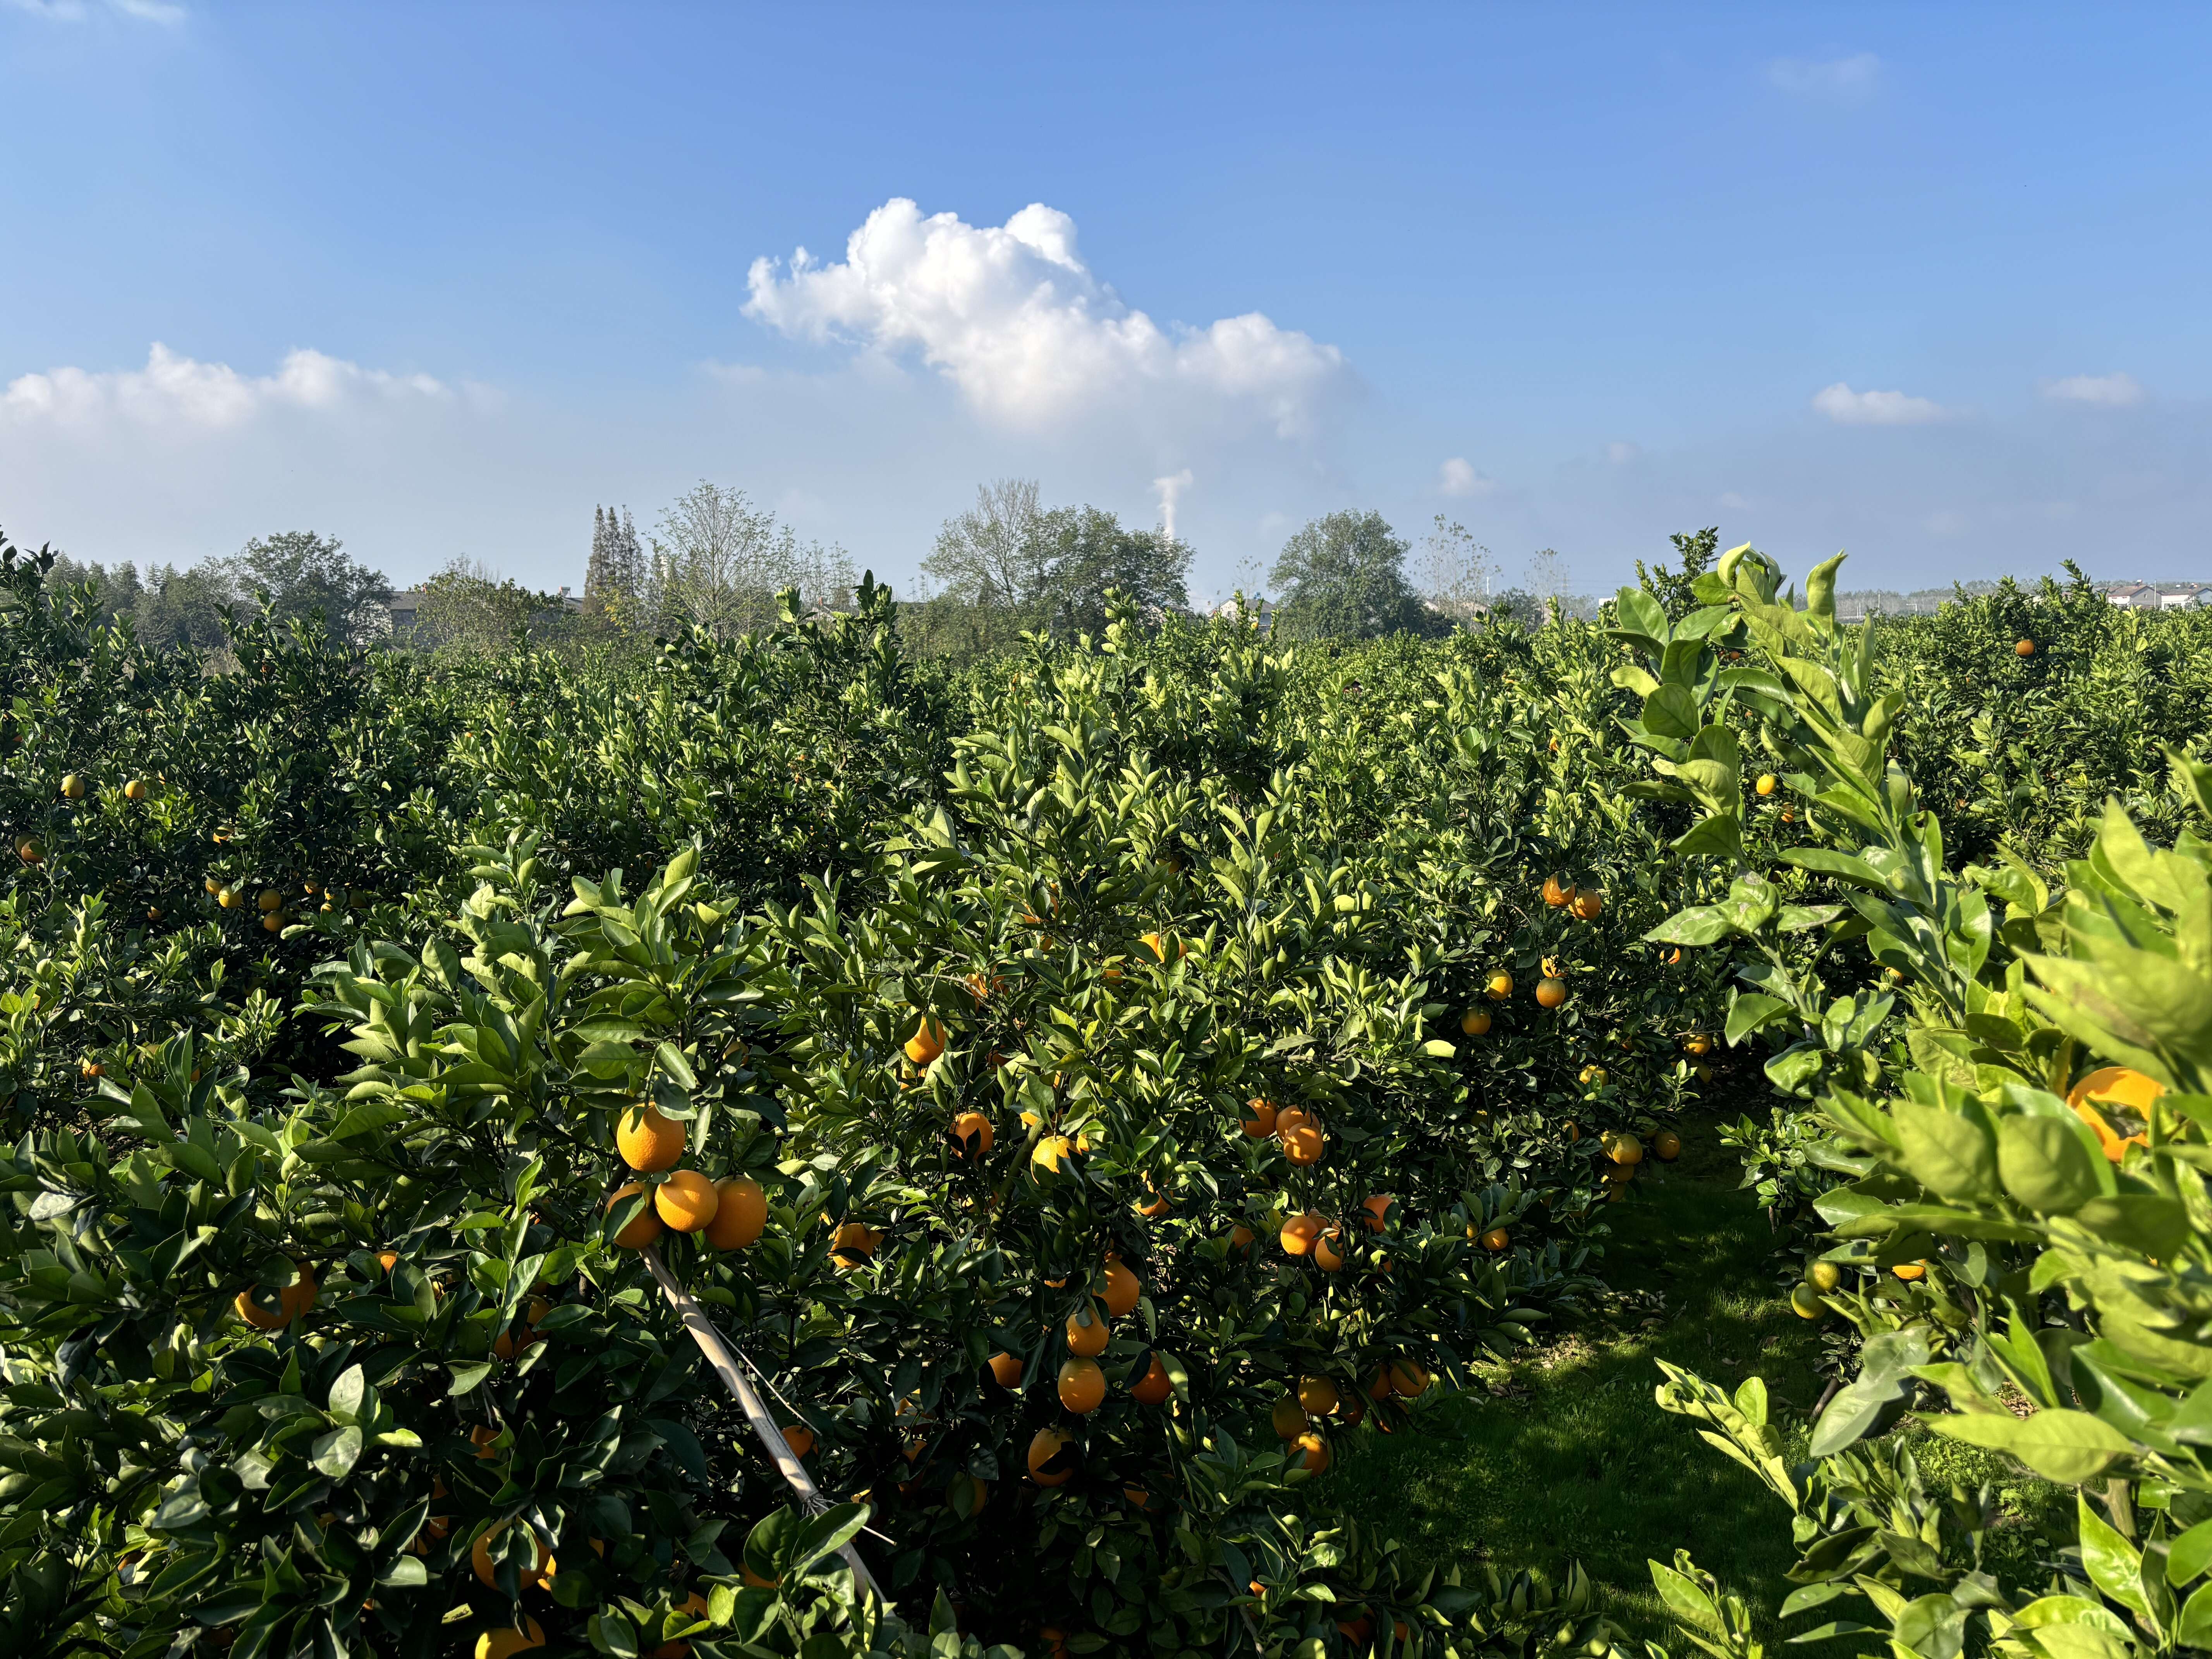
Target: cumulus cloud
[[1848, 408], [2116, 391], [1013, 317], [1457, 476], [174, 391], [1849, 79]]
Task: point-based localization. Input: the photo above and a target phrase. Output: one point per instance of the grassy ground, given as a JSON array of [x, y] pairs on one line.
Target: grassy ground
[[1564, 1454]]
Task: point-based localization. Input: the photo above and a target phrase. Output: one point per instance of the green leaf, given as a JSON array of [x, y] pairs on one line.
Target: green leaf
[[673, 1063], [2115, 1565], [336, 1452], [2189, 1554], [2194, 1628], [1701, 926], [2150, 1222], [2068, 1447], [1748, 1012], [2044, 1163], [1672, 712], [1947, 1153], [346, 1395]]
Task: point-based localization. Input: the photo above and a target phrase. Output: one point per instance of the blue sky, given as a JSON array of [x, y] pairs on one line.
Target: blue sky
[[1921, 283]]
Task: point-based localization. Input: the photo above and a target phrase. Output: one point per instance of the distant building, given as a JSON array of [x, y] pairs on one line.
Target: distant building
[[2158, 596]]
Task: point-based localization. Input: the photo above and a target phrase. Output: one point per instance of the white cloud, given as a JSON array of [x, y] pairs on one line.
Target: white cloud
[[182, 392], [2115, 390], [75, 11], [1733, 502], [1013, 317], [1620, 452], [1457, 476], [1848, 408], [1849, 79]]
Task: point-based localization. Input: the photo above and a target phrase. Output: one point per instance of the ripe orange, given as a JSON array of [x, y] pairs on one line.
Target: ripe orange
[[487, 1575], [1551, 993], [1312, 1454], [261, 1318], [1765, 784], [2023, 648], [1476, 1021], [1623, 1149], [973, 1131], [1240, 1236], [387, 1259], [1288, 1417], [1668, 1144], [1805, 1302], [1302, 1146], [927, 1042], [1328, 1253], [271, 899], [1052, 1153], [505, 1644], [1317, 1396], [1586, 904], [135, 790], [1291, 1118], [1499, 987], [1672, 959], [1377, 1205], [272, 924], [1082, 1386], [73, 787], [1496, 1240], [644, 1228], [1006, 1370], [647, 1141], [2121, 1086], [230, 898], [1122, 1289], [1558, 894], [1909, 1271], [1154, 1386], [1087, 1333], [1408, 1377], [853, 1244], [28, 850], [1051, 1460], [1699, 1043], [1262, 1123], [740, 1212], [1159, 947], [1299, 1233], [686, 1201]]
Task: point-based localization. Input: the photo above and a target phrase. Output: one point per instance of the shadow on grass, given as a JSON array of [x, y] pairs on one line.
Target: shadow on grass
[[1566, 1455]]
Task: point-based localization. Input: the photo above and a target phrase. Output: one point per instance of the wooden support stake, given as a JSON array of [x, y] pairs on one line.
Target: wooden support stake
[[723, 1358]]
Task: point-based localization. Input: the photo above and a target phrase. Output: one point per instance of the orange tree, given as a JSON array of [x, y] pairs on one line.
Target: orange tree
[[2020, 1233]]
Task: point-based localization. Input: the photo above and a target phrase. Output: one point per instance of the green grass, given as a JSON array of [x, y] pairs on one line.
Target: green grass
[[1564, 1454]]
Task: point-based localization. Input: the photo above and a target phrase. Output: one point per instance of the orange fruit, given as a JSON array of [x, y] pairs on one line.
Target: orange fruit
[[1556, 893], [1159, 947], [1377, 1205], [1328, 1253], [1302, 1146], [387, 1259], [647, 1140], [1312, 1453], [645, 1228], [272, 924], [1051, 1460], [1699, 1043], [1137, 1497], [271, 899], [1623, 1149], [1154, 1386], [135, 790], [973, 1131], [1240, 1236], [740, 1212], [927, 1042], [1476, 1021], [1087, 1333], [1316, 1395], [1288, 1417], [854, 1243], [1909, 1271], [1006, 1370], [480, 1558], [482, 1437], [1261, 1123], [2120, 1086], [1551, 993], [1668, 1144], [1052, 1153], [1082, 1386], [686, 1201], [261, 1318], [1294, 1117], [1122, 1289], [1299, 1233], [2023, 648], [1765, 784], [1496, 1240], [1586, 904], [504, 1643], [1499, 985], [1408, 1377]]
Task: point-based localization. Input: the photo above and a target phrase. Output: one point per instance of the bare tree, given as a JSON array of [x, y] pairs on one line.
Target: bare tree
[[996, 553], [720, 561], [1456, 574]]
